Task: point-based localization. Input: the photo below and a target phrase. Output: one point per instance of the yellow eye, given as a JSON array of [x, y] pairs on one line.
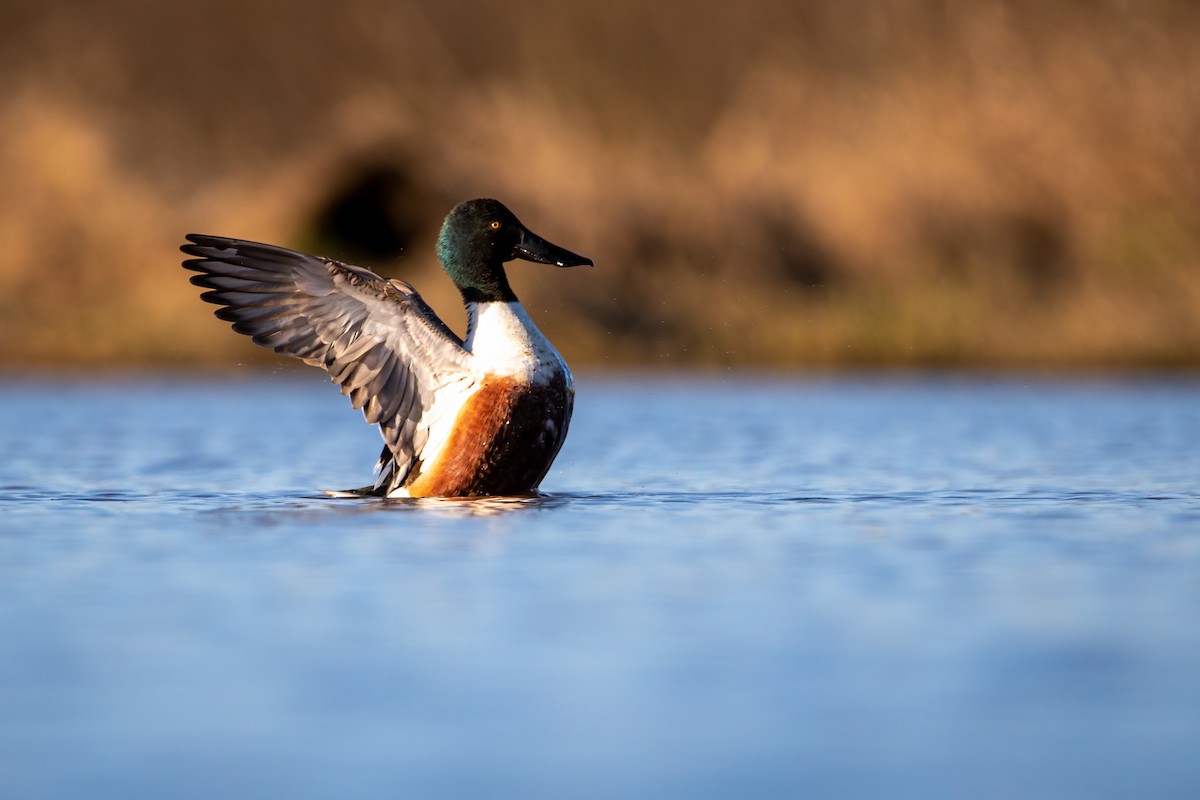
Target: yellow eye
[[495, 226]]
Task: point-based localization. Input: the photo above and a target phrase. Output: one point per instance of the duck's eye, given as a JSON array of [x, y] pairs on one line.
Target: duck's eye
[[495, 226]]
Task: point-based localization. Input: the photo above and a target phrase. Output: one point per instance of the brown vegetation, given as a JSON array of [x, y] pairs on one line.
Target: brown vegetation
[[764, 183]]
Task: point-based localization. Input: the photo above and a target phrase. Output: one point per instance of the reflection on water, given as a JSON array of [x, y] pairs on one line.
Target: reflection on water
[[843, 587]]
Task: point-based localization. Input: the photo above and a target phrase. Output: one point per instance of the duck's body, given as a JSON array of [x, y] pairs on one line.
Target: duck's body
[[499, 427], [484, 416]]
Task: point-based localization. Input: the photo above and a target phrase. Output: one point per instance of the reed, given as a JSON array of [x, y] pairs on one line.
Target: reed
[[781, 184]]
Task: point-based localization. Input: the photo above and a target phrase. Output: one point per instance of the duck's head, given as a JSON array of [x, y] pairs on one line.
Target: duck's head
[[478, 236]]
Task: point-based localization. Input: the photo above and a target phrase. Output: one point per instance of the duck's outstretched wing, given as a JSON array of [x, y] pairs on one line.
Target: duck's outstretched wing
[[376, 338]]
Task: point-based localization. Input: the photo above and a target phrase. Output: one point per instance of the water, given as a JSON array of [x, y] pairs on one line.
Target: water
[[736, 587]]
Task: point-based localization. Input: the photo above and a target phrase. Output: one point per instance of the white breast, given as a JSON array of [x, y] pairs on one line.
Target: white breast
[[505, 341]]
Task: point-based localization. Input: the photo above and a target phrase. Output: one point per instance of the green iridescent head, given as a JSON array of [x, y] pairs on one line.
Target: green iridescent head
[[479, 236]]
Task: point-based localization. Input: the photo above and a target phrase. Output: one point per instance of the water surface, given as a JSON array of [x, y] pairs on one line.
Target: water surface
[[734, 587]]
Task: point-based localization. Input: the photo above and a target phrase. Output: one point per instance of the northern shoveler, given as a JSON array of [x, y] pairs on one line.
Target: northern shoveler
[[485, 416]]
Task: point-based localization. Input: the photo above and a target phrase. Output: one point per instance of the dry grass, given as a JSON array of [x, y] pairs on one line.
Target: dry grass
[[787, 183]]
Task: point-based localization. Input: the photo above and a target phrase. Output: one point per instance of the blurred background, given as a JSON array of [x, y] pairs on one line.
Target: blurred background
[[772, 183]]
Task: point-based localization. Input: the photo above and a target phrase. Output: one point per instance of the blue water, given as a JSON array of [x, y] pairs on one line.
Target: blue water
[[735, 587]]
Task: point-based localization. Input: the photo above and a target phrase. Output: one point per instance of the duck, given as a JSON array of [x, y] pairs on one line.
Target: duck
[[481, 416]]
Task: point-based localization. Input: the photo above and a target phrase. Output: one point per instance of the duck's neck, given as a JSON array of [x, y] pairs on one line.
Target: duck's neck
[[494, 289], [478, 280]]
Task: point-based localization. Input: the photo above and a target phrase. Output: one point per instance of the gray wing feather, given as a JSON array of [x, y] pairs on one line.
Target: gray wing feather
[[376, 338]]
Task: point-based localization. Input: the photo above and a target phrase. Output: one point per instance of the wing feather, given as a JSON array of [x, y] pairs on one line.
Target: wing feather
[[378, 340]]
